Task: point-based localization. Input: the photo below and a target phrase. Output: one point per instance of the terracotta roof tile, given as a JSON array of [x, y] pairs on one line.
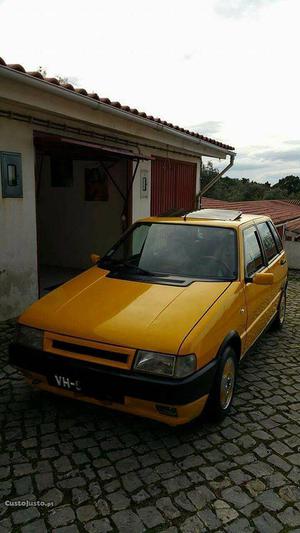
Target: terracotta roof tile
[[36, 74], [280, 211], [107, 101], [69, 87], [55, 81], [81, 91], [292, 201], [17, 67]]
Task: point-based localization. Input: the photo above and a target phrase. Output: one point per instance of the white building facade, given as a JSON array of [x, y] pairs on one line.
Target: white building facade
[[75, 172]]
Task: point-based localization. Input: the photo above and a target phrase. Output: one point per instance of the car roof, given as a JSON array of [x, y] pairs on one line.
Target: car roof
[[209, 217]]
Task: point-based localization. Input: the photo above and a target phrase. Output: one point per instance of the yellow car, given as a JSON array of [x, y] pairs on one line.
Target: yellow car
[[158, 326]]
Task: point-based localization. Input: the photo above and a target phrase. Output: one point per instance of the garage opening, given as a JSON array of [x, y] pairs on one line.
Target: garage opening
[[173, 185], [83, 203]]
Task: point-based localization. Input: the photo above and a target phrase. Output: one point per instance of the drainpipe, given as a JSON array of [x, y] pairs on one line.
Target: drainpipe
[[214, 181]]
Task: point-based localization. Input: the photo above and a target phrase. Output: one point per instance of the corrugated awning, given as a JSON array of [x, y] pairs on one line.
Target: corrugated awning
[[41, 138]]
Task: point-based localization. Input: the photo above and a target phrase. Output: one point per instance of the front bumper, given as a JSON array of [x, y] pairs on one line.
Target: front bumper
[[108, 384]]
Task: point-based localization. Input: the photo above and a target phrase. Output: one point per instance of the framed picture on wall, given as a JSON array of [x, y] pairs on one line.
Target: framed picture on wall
[[96, 185]]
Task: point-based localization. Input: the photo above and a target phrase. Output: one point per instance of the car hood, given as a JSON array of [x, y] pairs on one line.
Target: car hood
[[124, 312]]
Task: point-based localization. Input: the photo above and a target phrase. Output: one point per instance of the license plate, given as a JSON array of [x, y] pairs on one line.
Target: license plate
[[65, 382]]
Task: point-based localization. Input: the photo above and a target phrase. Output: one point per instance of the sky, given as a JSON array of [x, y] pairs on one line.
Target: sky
[[228, 69]]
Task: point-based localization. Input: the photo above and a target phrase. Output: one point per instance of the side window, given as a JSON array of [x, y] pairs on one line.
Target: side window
[[276, 236], [268, 240], [253, 255]]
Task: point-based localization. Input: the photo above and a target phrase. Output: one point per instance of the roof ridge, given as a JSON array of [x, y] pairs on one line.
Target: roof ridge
[[80, 91]]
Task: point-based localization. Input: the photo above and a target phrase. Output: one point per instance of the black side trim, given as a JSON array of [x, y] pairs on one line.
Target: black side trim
[[105, 382]]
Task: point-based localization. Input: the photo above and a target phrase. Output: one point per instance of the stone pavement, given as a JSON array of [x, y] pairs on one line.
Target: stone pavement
[[104, 471]]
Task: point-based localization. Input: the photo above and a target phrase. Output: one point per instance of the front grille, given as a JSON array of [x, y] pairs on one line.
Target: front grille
[[88, 350]]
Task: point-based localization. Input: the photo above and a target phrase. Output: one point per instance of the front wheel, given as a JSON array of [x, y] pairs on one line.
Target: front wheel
[[221, 395]]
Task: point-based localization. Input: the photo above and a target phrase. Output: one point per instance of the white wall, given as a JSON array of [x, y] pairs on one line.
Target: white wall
[[292, 249], [141, 206], [18, 240], [71, 228], [18, 273]]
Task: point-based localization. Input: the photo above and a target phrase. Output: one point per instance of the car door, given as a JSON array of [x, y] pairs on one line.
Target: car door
[[257, 296], [276, 263]]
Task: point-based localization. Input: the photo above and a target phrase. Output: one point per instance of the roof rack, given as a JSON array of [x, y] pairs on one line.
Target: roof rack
[[214, 214]]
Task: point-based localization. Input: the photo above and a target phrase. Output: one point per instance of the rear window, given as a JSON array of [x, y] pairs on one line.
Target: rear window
[[276, 236], [268, 240]]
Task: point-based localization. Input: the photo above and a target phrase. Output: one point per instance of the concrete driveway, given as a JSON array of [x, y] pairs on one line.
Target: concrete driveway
[[89, 469]]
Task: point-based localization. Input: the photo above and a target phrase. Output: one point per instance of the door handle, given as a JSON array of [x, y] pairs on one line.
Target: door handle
[[283, 261]]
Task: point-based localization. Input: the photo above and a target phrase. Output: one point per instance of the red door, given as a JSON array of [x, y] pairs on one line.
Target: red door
[[173, 185]]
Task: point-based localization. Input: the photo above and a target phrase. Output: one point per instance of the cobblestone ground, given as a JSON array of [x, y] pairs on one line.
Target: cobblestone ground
[[106, 471]]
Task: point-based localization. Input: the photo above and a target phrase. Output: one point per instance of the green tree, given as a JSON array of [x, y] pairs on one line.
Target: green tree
[[234, 189], [291, 184], [275, 194], [208, 172]]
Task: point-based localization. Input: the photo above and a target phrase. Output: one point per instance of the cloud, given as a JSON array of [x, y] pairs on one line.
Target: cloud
[[238, 8], [256, 156], [250, 165], [274, 177], [264, 173], [211, 127], [293, 141], [269, 164], [292, 154], [265, 162], [188, 56]]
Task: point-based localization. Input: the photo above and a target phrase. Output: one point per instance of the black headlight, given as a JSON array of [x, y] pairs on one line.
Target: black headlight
[[30, 337]]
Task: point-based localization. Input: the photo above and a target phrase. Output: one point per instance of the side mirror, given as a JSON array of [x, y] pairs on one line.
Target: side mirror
[[94, 258], [263, 279]]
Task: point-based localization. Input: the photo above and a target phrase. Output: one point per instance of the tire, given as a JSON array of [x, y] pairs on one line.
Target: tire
[[221, 396], [281, 311]]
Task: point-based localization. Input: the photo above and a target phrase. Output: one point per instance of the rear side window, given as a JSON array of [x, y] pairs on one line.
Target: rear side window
[[268, 240], [276, 236], [253, 255]]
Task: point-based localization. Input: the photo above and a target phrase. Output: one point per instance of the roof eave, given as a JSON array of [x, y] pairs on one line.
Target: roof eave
[[99, 105]]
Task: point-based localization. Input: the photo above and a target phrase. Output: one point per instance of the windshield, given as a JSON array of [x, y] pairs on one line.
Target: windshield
[[185, 250]]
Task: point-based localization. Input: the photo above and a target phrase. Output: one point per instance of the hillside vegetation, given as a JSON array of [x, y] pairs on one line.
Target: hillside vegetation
[[233, 189]]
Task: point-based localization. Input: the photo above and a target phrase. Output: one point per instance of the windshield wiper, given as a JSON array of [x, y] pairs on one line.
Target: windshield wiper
[[136, 268], [115, 264]]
